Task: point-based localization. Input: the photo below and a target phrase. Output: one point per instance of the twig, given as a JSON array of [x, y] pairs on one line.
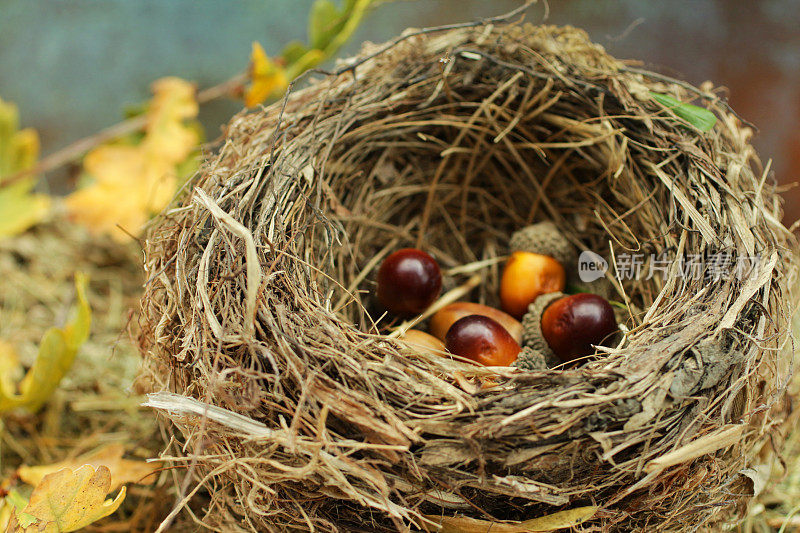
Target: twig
[[424, 31]]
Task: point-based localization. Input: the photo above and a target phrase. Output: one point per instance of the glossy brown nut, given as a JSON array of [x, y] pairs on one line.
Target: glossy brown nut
[[571, 325], [409, 281], [423, 342], [447, 315], [527, 276], [482, 340]]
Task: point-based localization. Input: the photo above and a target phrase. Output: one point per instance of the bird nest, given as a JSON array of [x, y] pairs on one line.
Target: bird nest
[[288, 397]]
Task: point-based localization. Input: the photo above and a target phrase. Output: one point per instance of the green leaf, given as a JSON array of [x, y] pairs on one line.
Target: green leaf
[[699, 117], [323, 23], [57, 352], [293, 51], [16, 499]]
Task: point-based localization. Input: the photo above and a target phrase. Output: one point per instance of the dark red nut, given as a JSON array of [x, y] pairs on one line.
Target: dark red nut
[[571, 325], [409, 281], [447, 316], [482, 340]]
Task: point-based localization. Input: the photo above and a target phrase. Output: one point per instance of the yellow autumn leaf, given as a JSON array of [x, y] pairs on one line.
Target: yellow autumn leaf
[[57, 351], [19, 149], [122, 470], [20, 207], [267, 78], [551, 522], [67, 500], [167, 136], [134, 181]]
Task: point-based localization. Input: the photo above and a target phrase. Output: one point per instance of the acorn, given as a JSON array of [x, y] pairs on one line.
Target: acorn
[[573, 325], [409, 281], [527, 276], [544, 238], [482, 340], [446, 316], [423, 342]]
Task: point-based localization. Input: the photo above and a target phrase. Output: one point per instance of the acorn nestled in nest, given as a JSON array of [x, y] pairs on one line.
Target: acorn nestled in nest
[[298, 408], [555, 331]]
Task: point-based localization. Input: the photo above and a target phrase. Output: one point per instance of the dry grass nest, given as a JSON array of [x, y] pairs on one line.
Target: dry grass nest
[[284, 396]]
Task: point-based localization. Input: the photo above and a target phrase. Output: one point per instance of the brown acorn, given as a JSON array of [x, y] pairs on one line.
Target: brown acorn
[[483, 340], [573, 324], [446, 317], [409, 281]]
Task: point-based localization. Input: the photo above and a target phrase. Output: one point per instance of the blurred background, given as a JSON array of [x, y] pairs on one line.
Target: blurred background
[[72, 66]]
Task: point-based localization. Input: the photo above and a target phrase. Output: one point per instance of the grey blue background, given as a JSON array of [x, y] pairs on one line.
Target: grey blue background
[[73, 66]]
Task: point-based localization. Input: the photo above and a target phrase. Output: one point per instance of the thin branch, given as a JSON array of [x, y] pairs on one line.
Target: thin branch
[[131, 125], [424, 31]]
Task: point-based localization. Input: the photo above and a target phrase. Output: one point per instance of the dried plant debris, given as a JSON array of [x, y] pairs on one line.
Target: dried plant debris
[[91, 414], [260, 299]]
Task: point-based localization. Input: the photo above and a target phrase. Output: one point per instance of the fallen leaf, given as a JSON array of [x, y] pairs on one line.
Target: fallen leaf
[[57, 351], [20, 207], [267, 78], [551, 522], [67, 500], [122, 470], [131, 181]]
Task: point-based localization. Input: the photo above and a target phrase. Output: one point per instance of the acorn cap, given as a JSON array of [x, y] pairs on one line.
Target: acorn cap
[[531, 359], [544, 238], [532, 327]]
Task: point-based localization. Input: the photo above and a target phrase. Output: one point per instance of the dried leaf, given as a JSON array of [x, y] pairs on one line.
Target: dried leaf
[[551, 522], [132, 181], [267, 78], [67, 501], [56, 353], [122, 470]]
